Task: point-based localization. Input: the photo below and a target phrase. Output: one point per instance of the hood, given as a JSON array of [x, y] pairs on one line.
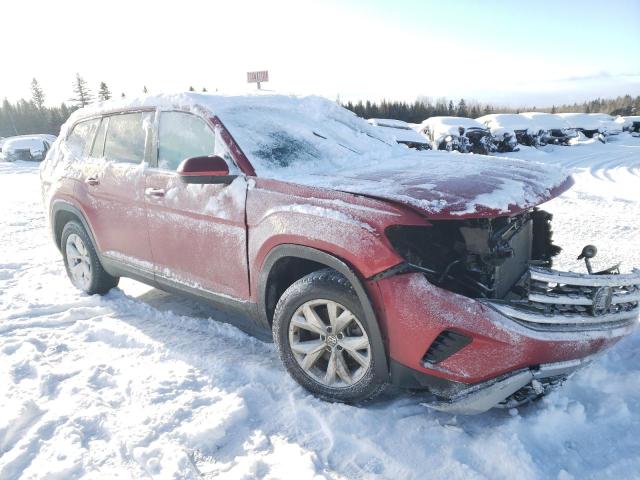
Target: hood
[[455, 186]]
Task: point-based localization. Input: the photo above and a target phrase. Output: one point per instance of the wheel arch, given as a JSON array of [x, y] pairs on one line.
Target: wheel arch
[[307, 260], [61, 213]]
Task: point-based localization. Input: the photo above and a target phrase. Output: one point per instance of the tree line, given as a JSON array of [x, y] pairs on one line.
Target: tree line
[[33, 116], [425, 107]]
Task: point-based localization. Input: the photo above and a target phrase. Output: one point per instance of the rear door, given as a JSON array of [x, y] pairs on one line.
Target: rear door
[[114, 189], [197, 232]]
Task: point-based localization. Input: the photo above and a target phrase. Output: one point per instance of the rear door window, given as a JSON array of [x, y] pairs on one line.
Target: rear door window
[[80, 139], [126, 137], [182, 135]]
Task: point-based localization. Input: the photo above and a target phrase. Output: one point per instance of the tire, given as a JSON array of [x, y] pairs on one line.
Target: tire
[[338, 370], [82, 264]]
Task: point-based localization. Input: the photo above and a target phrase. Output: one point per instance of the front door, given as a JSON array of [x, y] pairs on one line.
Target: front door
[[114, 184], [197, 232]]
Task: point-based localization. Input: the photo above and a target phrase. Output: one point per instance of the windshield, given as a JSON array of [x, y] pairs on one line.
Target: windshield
[[278, 132]]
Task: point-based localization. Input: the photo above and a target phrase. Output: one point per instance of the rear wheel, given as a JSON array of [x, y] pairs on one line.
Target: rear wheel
[[82, 263], [322, 337]]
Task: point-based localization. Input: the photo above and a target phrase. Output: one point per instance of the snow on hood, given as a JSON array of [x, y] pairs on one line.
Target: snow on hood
[[506, 121], [314, 141], [441, 185], [398, 129], [546, 121], [442, 126]]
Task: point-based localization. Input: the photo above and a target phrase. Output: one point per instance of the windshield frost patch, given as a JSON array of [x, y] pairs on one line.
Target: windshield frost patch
[[283, 149]]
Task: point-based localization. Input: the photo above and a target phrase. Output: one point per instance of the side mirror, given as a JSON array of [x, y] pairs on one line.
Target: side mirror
[[205, 170]]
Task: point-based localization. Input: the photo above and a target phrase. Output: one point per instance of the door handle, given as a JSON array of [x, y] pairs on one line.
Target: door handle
[[92, 181], [154, 192]]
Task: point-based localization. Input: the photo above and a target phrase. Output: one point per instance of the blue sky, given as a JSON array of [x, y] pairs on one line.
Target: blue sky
[[600, 39], [518, 53]]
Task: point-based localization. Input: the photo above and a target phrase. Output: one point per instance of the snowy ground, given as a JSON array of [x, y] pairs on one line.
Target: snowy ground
[[142, 384]]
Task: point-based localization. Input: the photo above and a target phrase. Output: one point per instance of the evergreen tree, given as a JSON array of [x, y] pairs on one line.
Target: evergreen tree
[[81, 91], [103, 92], [451, 110], [122, 95], [462, 109], [144, 89], [191, 89], [204, 89], [37, 95]]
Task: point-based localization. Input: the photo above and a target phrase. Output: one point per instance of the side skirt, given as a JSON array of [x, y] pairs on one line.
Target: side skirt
[[243, 314]]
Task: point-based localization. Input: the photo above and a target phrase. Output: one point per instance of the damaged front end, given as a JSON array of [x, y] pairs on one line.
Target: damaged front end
[[505, 263]]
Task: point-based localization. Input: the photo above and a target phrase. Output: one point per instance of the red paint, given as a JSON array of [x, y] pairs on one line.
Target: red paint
[[213, 166]]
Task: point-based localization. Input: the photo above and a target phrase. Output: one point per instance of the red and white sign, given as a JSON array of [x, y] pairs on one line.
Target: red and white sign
[[257, 77]]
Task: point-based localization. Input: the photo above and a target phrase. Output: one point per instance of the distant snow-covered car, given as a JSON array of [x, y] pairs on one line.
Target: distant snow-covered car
[[402, 132], [458, 133], [551, 129], [629, 124], [593, 125], [25, 147], [509, 130]]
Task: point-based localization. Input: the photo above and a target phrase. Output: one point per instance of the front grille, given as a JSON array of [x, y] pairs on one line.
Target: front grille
[[565, 299]]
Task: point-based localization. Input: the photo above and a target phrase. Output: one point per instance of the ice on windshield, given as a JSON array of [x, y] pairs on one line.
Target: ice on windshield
[[277, 131]]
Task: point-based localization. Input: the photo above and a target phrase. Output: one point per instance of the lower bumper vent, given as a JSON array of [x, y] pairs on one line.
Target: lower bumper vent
[[446, 344]]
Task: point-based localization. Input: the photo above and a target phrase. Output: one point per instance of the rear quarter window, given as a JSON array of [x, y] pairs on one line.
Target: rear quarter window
[[80, 139]]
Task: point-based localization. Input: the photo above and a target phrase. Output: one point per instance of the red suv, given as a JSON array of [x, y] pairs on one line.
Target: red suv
[[370, 263]]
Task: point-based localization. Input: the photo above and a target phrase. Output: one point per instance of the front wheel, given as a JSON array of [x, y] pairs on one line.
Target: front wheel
[[82, 263], [323, 340]]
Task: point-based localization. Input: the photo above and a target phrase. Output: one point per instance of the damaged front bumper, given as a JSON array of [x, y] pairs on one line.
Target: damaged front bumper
[[554, 302], [517, 348], [510, 390]]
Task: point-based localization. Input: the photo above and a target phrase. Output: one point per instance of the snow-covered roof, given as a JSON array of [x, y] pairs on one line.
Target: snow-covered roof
[[34, 143], [398, 129], [277, 130], [509, 121], [591, 121], [442, 126], [546, 121], [44, 136], [454, 121]]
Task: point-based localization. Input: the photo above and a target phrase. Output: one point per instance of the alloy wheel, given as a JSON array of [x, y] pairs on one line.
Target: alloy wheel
[[79, 262], [329, 343]]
